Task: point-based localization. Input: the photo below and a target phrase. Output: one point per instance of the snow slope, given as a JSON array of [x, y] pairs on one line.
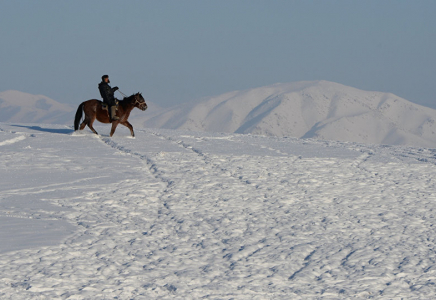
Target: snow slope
[[313, 109], [186, 215], [16, 106]]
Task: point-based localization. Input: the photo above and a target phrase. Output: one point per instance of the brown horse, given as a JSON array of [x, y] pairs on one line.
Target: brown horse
[[93, 110]]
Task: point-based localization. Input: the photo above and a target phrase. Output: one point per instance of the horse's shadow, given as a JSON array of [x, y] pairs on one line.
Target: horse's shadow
[[51, 130]]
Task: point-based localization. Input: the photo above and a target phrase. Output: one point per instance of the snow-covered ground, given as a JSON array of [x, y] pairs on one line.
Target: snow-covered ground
[[185, 215]]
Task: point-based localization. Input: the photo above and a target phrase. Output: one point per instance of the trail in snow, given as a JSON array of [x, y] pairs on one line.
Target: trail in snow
[[12, 141], [174, 214]]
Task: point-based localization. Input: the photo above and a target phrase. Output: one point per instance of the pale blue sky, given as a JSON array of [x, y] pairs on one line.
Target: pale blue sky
[[175, 51]]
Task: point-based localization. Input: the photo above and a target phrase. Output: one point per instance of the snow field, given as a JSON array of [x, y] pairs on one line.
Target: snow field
[[174, 214]]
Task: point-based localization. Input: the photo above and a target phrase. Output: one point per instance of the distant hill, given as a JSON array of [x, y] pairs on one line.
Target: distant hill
[[20, 107], [16, 106], [312, 109]]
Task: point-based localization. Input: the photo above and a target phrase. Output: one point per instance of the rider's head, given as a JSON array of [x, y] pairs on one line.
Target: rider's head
[[105, 78]]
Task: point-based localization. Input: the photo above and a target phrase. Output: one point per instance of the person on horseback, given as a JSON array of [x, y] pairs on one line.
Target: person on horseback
[[107, 93]]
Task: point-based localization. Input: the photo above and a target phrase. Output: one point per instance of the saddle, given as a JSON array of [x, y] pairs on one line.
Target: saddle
[[105, 107]]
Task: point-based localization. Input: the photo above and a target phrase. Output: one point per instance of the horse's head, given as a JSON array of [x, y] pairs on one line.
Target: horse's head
[[140, 102]]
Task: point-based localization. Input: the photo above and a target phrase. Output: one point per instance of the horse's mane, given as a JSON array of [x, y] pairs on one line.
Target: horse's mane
[[129, 97]]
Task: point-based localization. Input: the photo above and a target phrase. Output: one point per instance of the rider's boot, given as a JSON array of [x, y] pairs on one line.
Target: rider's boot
[[114, 113]]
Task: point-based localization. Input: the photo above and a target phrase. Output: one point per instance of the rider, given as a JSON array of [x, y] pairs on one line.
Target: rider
[[107, 93]]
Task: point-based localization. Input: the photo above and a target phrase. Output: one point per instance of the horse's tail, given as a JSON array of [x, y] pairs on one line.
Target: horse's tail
[[78, 117]]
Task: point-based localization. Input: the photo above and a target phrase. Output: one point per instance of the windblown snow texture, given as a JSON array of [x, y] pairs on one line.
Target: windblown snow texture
[[185, 215]]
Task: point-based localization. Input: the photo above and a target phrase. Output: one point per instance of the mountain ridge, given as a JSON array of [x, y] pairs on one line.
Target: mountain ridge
[[17, 106], [307, 109]]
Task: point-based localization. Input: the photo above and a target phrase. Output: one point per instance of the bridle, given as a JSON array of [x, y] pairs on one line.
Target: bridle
[[141, 105], [136, 100]]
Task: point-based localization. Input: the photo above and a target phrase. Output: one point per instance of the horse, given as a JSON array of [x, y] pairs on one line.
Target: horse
[[93, 110]]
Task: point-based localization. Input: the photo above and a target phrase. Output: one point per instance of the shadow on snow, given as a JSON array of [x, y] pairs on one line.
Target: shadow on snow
[[51, 130]]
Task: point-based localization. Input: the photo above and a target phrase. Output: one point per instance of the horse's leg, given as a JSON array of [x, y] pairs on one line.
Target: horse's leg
[[114, 126], [86, 119], [128, 125], [82, 126], [90, 122], [85, 122]]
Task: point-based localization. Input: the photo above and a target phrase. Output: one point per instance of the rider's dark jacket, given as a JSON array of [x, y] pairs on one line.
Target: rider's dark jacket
[[107, 93]]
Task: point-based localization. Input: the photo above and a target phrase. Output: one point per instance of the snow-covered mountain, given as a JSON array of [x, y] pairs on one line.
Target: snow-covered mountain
[[311, 109], [137, 116], [16, 106]]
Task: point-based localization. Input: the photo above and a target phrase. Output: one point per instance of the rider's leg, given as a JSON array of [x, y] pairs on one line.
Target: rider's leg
[[114, 113]]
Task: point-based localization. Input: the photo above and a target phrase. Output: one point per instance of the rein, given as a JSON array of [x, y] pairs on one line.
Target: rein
[[124, 95]]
